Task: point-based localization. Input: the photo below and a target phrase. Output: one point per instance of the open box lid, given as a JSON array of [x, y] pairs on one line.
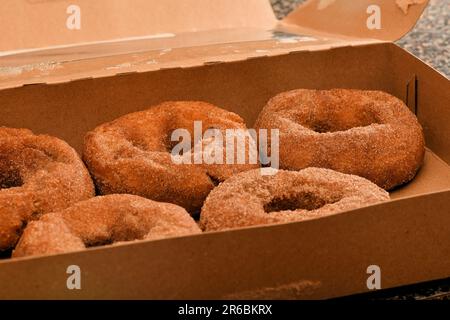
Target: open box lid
[[387, 20], [54, 41], [30, 24]]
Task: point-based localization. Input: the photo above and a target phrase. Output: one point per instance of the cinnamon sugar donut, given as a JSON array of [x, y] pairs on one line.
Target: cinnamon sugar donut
[[366, 133], [102, 221], [38, 174], [250, 199], [133, 154]]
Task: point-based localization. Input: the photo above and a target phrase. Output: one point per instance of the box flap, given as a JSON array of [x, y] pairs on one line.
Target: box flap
[[105, 60], [44, 23], [101, 38], [369, 19]]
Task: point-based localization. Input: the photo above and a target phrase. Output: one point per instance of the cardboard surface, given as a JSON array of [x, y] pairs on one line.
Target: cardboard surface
[[311, 260], [236, 59], [44, 23], [434, 176], [102, 60], [370, 19], [407, 237]]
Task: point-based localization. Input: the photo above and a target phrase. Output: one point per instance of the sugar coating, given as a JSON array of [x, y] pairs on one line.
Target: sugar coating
[[366, 133], [133, 154], [104, 220], [38, 174], [242, 200]]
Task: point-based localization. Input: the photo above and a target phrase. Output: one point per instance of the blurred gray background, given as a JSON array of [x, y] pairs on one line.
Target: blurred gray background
[[430, 39]]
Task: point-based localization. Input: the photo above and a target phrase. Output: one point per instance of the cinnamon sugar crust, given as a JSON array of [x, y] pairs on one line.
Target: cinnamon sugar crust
[[104, 221], [38, 174], [366, 133], [132, 154], [251, 199]]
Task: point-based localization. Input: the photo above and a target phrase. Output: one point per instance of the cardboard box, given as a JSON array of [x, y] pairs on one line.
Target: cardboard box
[[234, 54]]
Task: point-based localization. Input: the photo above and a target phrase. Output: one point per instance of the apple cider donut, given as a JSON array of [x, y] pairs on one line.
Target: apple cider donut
[[38, 174], [251, 199], [103, 221], [366, 133], [133, 154]]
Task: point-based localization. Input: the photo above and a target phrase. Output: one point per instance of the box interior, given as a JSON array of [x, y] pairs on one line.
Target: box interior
[[86, 94], [69, 110]]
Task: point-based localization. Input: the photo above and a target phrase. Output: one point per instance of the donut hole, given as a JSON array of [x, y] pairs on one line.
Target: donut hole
[[214, 180], [325, 126], [99, 243], [126, 230], [170, 145], [335, 120], [10, 179], [300, 201], [136, 141]]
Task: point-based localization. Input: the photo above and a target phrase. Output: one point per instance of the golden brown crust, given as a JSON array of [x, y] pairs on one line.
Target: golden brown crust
[[104, 220], [133, 154], [366, 133], [250, 199], [38, 174]]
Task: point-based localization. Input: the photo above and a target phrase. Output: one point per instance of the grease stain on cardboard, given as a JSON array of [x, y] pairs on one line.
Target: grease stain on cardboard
[[293, 290], [44, 67]]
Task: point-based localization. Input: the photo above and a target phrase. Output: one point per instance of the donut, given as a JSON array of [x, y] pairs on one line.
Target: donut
[[38, 174], [133, 154], [366, 133], [102, 221], [251, 199]]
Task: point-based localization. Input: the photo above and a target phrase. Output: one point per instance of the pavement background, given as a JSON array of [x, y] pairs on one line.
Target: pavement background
[[430, 39]]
